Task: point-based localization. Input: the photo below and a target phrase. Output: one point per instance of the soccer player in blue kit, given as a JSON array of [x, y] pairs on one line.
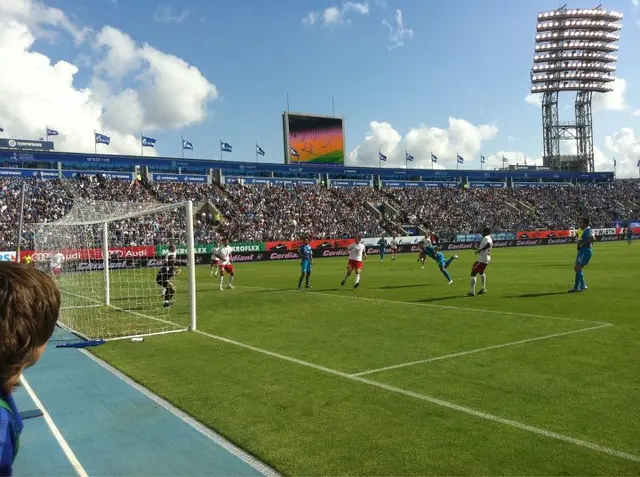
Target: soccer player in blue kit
[[306, 255], [432, 252], [585, 252], [629, 234]]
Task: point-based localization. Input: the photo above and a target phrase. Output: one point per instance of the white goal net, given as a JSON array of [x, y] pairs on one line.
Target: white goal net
[[109, 261]]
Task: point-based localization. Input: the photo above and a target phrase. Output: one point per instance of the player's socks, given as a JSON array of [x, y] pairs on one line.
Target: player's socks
[[446, 275], [576, 285], [472, 288], [357, 283], [446, 265], [483, 280], [300, 282], [583, 286], [306, 281]]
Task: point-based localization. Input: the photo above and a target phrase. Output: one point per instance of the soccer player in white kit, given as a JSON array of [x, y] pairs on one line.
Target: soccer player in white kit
[[357, 255], [56, 264], [482, 262], [224, 253], [394, 248]]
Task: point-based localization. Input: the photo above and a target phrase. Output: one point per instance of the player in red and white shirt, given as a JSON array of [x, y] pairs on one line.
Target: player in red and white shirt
[[224, 254], [215, 262], [482, 262], [56, 264], [357, 255]]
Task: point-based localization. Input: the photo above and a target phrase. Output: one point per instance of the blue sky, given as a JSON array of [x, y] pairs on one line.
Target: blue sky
[[466, 59]]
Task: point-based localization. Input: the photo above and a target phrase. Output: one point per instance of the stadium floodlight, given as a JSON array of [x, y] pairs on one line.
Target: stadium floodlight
[[573, 53]]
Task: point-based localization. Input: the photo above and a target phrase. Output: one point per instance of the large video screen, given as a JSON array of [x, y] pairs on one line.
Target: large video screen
[[315, 139]]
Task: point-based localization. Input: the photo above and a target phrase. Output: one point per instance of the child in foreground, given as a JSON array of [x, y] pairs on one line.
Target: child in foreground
[[29, 307]]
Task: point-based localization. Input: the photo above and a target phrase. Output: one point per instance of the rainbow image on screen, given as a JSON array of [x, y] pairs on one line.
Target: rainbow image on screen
[[317, 139]]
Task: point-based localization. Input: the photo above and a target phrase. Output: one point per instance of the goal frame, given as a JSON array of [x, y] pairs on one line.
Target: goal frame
[[106, 258]]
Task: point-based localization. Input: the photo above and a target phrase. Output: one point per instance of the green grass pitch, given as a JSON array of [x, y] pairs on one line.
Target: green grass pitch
[[274, 370]]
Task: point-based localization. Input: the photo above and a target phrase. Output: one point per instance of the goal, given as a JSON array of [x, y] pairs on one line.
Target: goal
[[112, 255]]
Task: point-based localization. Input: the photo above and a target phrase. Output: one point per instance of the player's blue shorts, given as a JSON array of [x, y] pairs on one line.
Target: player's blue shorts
[[440, 260], [305, 266], [584, 256]]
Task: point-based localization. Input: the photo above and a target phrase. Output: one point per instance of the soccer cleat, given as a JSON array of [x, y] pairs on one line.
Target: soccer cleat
[[230, 286], [483, 291], [456, 257], [356, 285], [450, 282], [343, 282], [167, 304], [471, 294], [575, 290], [221, 288], [308, 287]]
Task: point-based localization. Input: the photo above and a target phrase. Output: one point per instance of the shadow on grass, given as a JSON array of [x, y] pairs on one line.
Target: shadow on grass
[[438, 298], [537, 295]]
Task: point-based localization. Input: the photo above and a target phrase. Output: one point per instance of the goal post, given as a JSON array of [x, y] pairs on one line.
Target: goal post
[[111, 276]]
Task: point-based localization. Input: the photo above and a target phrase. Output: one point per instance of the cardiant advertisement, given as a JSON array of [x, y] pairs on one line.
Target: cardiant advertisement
[[293, 246], [314, 139], [540, 234]]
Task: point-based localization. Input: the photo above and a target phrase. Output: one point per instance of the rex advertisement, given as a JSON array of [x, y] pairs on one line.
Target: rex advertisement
[[207, 248]]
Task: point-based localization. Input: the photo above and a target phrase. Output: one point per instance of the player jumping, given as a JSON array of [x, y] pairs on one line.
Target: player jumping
[[357, 254], [585, 252], [482, 262], [432, 252], [306, 255], [224, 254], [215, 262], [165, 274], [394, 248]]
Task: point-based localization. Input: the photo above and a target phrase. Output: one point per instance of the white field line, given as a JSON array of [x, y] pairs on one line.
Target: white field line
[[438, 402], [479, 350], [184, 417], [64, 445], [430, 305]]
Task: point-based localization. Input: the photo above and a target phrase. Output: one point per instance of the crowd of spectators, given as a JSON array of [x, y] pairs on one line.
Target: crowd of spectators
[[272, 212]]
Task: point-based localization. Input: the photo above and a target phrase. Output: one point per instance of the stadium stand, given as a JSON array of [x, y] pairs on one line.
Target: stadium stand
[[268, 212]]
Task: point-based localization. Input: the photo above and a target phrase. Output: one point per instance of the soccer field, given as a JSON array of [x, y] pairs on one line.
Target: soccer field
[[406, 375]]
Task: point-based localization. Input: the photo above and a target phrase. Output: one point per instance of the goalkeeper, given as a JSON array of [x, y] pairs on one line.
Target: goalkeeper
[[165, 274]]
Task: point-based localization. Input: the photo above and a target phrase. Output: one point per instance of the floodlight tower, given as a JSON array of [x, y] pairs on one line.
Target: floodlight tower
[[573, 53]]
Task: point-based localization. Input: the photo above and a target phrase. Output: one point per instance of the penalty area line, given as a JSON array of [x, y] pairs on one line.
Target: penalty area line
[[430, 305], [479, 350], [435, 401]]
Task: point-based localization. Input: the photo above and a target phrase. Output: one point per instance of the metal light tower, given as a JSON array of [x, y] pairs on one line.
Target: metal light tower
[[573, 53]]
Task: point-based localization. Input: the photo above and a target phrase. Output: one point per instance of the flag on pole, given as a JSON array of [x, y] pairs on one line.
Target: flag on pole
[[614, 163], [187, 145], [408, 157], [259, 150], [148, 141], [381, 156], [225, 146], [52, 132], [102, 139], [293, 152], [434, 158], [483, 159], [460, 159]]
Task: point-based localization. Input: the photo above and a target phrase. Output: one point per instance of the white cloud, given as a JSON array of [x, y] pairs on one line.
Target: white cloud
[[624, 145], [335, 15], [635, 2], [613, 101], [460, 137], [637, 111], [134, 87], [165, 14], [398, 33], [534, 98]]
